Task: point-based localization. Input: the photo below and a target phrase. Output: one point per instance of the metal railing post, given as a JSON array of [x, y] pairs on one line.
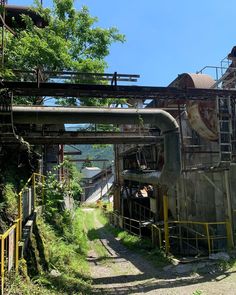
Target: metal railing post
[[208, 238], [43, 181], [17, 227], [17, 246], [153, 237], [2, 265], [166, 225], [20, 214], [160, 240], [154, 229], [34, 190], [230, 241]]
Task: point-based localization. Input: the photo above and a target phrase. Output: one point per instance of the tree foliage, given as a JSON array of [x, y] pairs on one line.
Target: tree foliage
[[70, 41], [56, 191]]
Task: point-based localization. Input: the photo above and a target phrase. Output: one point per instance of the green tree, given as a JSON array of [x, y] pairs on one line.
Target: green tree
[[87, 163], [56, 190], [71, 41]]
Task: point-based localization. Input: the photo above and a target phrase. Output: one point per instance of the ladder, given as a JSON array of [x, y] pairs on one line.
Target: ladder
[[224, 113]]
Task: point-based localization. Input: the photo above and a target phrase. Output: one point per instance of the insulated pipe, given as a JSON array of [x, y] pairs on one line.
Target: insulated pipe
[[156, 117]]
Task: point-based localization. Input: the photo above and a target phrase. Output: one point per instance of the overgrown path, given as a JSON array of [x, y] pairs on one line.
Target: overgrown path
[[117, 270]]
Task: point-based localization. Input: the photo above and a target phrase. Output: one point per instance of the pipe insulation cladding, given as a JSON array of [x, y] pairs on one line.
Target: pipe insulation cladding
[[155, 117]]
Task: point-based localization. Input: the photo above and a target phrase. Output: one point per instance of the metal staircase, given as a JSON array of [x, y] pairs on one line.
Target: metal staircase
[[224, 113]]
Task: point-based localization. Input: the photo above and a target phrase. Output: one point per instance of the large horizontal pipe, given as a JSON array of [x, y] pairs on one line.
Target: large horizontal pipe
[[155, 117], [74, 115]]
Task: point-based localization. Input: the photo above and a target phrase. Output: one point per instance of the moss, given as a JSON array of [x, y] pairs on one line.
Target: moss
[[10, 198], [8, 207]]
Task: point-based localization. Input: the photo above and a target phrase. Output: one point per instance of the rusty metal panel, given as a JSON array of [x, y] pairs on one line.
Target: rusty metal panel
[[203, 119], [201, 114]]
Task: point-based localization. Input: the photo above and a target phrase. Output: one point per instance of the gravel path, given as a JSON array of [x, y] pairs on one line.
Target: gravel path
[[121, 271]]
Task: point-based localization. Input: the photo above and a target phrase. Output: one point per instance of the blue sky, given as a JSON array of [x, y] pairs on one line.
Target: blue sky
[[164, 38]]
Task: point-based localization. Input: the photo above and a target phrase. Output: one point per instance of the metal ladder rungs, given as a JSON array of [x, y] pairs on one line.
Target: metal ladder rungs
[[225, 130]]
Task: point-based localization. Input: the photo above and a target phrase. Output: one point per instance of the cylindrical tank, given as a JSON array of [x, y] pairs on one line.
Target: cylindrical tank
[[201, 114]]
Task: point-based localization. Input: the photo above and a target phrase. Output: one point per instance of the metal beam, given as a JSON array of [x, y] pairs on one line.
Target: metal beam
[[89, 139], [72, 153], [110, 91], [93, 160]]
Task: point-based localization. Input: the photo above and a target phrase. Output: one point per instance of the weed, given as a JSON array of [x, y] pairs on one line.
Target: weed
[[10, 197], [66, 256], [225, 265]]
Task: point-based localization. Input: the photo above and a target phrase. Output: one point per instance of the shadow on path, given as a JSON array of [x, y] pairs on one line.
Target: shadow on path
[[143, 276]]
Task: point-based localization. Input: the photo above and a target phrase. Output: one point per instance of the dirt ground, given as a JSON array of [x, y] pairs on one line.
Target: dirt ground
[[121, 271]]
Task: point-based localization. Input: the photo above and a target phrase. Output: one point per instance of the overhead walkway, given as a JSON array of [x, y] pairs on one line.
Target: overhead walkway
[[112, 91]]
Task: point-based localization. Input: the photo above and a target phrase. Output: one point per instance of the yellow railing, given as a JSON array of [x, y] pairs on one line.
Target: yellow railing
[[162, 234], [156, 236], [9, 250], [129, 224], [205, 232], [9, 240], [33, 182], [202, 231]]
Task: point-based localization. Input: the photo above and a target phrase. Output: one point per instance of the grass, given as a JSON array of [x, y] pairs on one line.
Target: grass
[[93, 234], [10, 198], [66, 255], [226, 265]]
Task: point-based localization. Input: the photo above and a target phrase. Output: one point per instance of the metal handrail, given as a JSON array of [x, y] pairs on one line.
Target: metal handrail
[[153, 228], [17, 228], [167, 226], [3, 237], [38, 75], [207, 236]]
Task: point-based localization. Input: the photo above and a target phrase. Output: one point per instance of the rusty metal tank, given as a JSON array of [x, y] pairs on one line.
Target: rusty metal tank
[[201, 114]]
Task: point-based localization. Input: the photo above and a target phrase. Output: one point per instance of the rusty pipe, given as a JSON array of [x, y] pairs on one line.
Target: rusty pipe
[[156, 117]]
